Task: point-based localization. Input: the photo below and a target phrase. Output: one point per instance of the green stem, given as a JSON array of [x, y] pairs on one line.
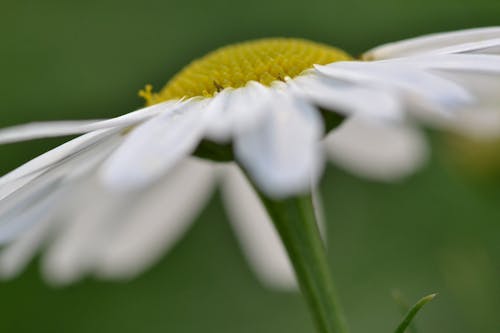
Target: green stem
[[296, 224]]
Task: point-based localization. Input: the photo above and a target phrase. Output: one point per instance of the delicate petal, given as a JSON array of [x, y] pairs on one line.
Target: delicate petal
[[347, 98], [255, 231], [82, 230], [454, 62], [48, 129], [234, 111], [38, 196], [282, 154], [121, 234], [15, 184], [419, 88], [59, 154], [159, 218], [482, 119], [16, 255], [21, 212], [431, 42], [480, 76], [489, 46], [154, 147], [377, 151]]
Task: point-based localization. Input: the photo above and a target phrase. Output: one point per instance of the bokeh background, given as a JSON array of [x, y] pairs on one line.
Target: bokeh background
[[438, 231]]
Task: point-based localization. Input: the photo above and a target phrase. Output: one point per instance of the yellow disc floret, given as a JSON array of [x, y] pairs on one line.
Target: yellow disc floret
[[264, 61]]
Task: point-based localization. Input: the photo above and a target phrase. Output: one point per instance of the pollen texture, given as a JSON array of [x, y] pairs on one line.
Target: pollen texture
[[263, 60]]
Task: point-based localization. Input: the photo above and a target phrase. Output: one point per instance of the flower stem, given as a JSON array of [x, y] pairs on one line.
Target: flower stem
[[295, 221]]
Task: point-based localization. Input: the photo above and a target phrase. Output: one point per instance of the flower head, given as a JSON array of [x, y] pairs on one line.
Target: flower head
[[127, 188], [264, 61]]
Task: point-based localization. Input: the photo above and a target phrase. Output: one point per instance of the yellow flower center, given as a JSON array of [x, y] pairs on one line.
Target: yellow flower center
[[263, 60]]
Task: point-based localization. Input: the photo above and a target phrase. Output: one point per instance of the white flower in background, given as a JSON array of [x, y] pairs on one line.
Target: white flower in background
[[111, 201]]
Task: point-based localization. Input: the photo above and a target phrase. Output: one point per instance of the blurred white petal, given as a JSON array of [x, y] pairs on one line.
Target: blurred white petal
[[418, 88], [480, 76], [88, 219], [481, 120], [488, 46], [234, 111], [479, 63], [348, 98], [20, 212], [377, 151], [431, 42], [49, 129], [255, 231], [60, 154], [282, 154], [38, 197], [16, 255], [154, 147], [157, 221]]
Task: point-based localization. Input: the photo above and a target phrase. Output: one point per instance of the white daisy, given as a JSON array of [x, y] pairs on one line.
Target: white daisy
[[111, 201]]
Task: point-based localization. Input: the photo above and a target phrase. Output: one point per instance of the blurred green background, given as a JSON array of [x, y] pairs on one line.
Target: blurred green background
[[435, 232]]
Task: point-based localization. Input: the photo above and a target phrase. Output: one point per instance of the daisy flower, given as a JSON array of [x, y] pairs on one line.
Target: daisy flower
[[112, 200]]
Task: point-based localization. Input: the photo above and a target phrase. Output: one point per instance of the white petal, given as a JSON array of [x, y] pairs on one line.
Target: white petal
[[455, 62], [419, 88], [282, 154], [485, 47], [22, 212], [85, 224], [479, 75], [159, 218], [258, 238], [481, 125], [431, 42], [16, 255], [59, 154], [233, 111], [376, 151], [15, 184], [155, 146], [118, 235], [347, 98], [48, 129], [482, 119], [38, 196]]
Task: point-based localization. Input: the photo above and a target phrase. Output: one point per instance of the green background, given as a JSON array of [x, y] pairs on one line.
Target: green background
[[437, 231]]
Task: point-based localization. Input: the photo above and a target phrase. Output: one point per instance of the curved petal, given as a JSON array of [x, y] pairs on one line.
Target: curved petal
[[477, 63], [237, 110], [376, 151], [488, 46], [427, 43], [84, 225], [482, 119], [59, 155], [118, 235], [16, 255], [22, 212], [38, 130], [154, 147], [159, 218], [419, 88], [348, 98], [255, 231], [480, 76], [38, 196], [282, 153]]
